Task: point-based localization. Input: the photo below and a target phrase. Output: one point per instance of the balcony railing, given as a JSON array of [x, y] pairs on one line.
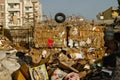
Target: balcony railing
[[11, 24], [28, 11], [28, 16], [13, 1], [28, 5], [13, 9]]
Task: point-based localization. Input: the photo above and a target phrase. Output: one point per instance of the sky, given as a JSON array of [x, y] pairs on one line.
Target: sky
[[86, 8]]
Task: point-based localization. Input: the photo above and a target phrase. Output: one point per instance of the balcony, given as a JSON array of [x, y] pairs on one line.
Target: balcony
[[13, 1], [30, 17], [13, 25], [28, 11], [13, 9], [28, 6]]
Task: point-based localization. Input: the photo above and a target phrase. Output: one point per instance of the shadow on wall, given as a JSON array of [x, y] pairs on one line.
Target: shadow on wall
[[117, 36], [112, 48], [7, 34]]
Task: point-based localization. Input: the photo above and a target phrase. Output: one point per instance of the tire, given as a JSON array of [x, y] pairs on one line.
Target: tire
[[60, 17]]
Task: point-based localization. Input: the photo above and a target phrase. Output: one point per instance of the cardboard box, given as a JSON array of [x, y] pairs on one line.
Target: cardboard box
[[58, 74], [17, 75], [25, 71], [39, 73]]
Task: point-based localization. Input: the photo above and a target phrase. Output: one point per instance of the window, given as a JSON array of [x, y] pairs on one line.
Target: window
[[11, 6], [1, 15], [2, 8]]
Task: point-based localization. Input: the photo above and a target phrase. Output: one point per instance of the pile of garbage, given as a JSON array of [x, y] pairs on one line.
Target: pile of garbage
[[60, 53], [63, 53], [8, 59], [5, 43], [50, 33]]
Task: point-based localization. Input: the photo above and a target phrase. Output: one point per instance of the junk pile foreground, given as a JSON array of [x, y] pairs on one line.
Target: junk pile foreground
[[61, 52]]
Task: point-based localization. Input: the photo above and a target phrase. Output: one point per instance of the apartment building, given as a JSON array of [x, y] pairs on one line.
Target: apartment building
[[2, 12], [28, 8], [108, 14], [28, 11], [16, 13], [13, 15]]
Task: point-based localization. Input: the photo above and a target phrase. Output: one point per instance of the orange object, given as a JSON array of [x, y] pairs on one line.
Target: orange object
[[17, 75]]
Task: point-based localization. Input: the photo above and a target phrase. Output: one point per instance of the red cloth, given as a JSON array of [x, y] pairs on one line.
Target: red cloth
[[50, 43]]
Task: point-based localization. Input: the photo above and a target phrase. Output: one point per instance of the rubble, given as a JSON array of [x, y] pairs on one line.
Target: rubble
[[59, 53], [5, 75], [2, 55], [10, 65], [8, 60], [84, 48], [58, 74], [38, 73], [5, 44], [72, 76], [55, 33]]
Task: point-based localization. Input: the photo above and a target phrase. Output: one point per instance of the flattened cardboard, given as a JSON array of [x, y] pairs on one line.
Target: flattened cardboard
[[39, 73]]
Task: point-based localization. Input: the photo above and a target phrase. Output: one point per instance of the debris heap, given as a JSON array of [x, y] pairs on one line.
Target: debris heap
[[61, 52], [68, 50], [8, 59]]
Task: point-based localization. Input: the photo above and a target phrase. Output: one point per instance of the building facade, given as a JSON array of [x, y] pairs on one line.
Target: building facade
[[16, 13], [108, 14], [2, 12]]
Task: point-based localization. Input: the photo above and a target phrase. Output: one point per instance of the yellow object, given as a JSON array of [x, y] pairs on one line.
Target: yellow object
[[25, 71], [17, 75], [115, 14]]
